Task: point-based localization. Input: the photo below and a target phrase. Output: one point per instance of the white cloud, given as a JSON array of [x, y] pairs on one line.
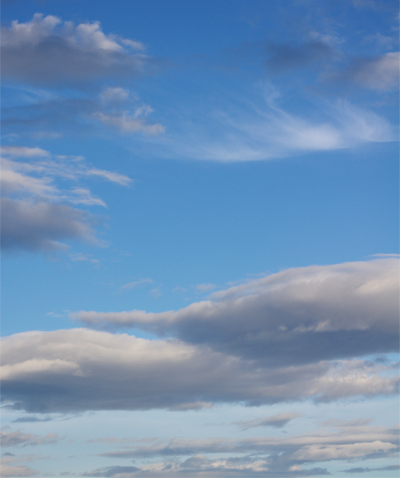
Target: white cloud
[[135, 283], [267, 131]]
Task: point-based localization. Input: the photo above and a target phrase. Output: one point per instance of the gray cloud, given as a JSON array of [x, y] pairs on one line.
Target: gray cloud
[[377, 73], [47, 51], [83, 369], [275, 421], [20, 438], [285, 56], [369, 470], [32, 217], [83, 115], [257, 456], [41, 226], [296, 316]]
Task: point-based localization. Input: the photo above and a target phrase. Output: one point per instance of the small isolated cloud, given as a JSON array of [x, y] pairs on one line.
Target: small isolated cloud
[[79, 257], [136, 283], [36, 211], [205, 287], [130, 123], [275, 421], [47, 51]]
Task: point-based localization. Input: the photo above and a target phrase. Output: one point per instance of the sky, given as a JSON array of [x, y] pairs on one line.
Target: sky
[[199, 230]]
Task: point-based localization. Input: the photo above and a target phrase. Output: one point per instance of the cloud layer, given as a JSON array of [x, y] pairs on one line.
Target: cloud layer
[[300, 455], [81, 369], [296, 316]]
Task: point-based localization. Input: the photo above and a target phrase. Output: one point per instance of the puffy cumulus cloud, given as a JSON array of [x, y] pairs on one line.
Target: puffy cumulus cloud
[[19, 438], [276, 421], [245, 132], [255, 456], [83, 369], [48, 51], [34, 214], [293, 317]]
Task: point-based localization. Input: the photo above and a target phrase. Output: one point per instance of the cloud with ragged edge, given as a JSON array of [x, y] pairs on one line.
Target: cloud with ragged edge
[[276, 339], [47, 51], [114, 109], [8, 439], [37, 214], [257, 456], [295, 316]]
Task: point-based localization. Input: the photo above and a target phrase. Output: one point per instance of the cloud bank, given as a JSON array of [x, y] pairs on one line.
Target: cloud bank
[[297, 316], [298, 334]]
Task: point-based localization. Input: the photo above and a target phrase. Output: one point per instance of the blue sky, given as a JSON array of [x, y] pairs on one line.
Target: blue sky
[[200, 238]]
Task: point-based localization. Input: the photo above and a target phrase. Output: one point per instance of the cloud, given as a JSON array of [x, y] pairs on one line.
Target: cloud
[[114, 108], [135, 283], [82, 369], [276, 421], [369, 470], [283, 57], [205, 287], [33, 216], [263, 130], [256, 456], [47, 51], [40, 226], [127, 123], [20, 438], [378, 73], [293, 317], [10, 466]]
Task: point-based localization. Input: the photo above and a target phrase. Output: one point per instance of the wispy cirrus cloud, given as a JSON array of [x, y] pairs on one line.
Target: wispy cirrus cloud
[[265, 130]]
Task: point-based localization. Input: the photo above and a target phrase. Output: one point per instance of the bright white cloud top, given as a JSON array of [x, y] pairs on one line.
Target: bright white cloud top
[[199, 219]]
